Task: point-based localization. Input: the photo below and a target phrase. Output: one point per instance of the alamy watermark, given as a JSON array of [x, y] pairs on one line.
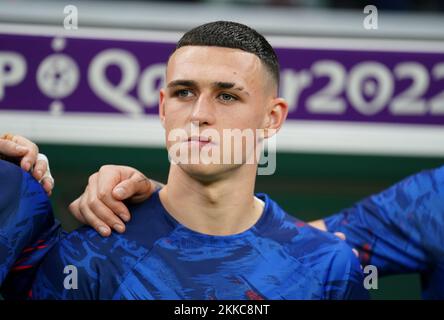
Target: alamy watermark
[[231, 147], [370, 277], [371, 20], [71, 281], [71, 21]]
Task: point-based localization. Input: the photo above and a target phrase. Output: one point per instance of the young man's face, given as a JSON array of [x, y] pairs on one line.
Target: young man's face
[[209, 89]]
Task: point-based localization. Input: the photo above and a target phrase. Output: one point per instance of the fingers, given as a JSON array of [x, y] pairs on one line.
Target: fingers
[[48, 185], [91, 210], [91, 219], [137, 188], [99, 216], [42, 167], [320, 224], [340, 235], [356, 252], [30, 157], [9, 148], [100, 202], [107, 178], [27, 155], [39, 169], [80, 210], [74, 208], [101, 206]]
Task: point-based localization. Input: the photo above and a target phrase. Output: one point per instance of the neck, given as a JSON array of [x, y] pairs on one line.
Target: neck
[[223, 207]]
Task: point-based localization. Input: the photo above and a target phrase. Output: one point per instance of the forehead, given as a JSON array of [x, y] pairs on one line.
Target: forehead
[[204, 63]]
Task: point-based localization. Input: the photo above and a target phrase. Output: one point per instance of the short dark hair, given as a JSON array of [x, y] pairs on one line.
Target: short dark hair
[[234, 35]]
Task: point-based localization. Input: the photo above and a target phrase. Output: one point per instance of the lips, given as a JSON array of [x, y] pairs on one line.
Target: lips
[[199, 139]]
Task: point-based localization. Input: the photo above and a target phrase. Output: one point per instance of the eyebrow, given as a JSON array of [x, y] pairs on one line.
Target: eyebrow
[[229, 85], [217, 85], [185, 83]]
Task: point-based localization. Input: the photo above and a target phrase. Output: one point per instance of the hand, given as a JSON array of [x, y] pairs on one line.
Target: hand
[[101, 205], [320, 224], [25, 153]]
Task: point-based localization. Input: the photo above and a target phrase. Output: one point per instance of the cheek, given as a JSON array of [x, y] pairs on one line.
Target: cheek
[[248, 118], [175, 116]]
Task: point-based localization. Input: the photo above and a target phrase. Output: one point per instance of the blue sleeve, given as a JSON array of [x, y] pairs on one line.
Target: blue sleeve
[[27, 229], [69, 270], [345, 278], [400, 230], [83, 265]]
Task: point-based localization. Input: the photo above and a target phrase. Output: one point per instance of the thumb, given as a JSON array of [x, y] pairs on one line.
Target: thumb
[[136, 189]]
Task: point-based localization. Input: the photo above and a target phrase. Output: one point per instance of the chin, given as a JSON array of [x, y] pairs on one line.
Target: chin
[[207, 172]]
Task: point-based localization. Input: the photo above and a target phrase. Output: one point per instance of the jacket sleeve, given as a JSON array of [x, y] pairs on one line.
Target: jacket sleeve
[[401, 229], [27, 229]]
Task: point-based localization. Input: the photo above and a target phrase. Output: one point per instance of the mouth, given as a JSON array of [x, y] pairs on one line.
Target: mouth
[[198, 141]]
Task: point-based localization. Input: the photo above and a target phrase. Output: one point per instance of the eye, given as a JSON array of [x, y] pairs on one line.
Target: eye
[[183, 93], [227, 97]]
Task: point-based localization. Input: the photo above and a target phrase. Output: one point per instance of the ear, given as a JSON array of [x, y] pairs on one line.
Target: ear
[[162, 107], [276, 114]]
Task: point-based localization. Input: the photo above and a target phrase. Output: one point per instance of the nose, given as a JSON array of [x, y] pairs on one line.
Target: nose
[[203, 111]]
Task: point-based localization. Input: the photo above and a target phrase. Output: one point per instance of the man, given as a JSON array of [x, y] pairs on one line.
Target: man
[[399, 230], [205, 235]]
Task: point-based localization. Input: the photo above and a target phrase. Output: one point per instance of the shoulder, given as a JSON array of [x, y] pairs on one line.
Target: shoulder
[[287, 229], [25, 213], [100, 263], [21, 189], [322, 255], [8, 169], [435, 176], [85, 265], [300, 238], [147, 225], [11, 174], [333, 260]]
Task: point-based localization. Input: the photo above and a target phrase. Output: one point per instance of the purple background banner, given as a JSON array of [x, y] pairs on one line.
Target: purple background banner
[[74, 75]]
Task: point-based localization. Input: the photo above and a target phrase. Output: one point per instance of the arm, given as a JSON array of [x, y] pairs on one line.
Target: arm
[[344, 278], [69, 271], [26, 228], [400, 229]]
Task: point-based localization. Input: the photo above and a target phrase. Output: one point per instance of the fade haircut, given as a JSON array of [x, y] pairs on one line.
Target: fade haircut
[[234, 35]]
